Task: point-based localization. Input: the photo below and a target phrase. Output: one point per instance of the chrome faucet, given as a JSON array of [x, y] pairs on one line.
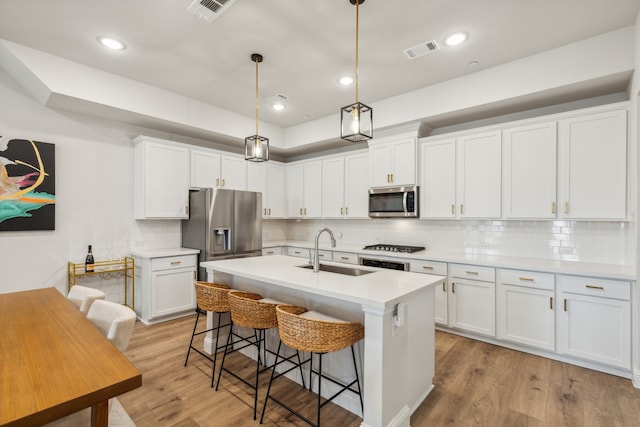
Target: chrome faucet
[[316, 257]]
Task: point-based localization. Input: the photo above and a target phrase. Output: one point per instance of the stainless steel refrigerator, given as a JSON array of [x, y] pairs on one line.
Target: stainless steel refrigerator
[[223, 224]]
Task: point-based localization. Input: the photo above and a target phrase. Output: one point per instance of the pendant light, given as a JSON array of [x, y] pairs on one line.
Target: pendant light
[[256, 147], [356, 120]]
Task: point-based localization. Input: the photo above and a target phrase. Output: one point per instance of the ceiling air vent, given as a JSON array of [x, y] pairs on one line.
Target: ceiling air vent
[[209, 10], [421, 49]]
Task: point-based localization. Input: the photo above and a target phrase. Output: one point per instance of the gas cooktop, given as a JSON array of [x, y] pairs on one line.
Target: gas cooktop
[[394, 248]]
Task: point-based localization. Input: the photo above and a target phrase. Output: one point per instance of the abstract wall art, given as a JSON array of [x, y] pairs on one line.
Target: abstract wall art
[[27, 185]]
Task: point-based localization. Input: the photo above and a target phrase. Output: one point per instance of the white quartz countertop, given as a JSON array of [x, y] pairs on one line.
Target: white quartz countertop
[[380, 288], [613, 271], [163, 253]]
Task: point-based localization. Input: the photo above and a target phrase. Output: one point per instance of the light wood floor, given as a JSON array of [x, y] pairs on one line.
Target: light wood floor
[[476, 384]]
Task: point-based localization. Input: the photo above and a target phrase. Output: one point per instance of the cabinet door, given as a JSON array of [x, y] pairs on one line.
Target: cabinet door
[[257, 180], [312, 192], [529, 164], [205, 169], [294, 184], [438, 179], [165, 182], [276, 207], [526, 316], [356, 185], [172, 291], [381, 162], [440, 302], [233, 173], [597, 329], [479, 177], [403, 171], [472, 306], [593, 166], [333, 205]]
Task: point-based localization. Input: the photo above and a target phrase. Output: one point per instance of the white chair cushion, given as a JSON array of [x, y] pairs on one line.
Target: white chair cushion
[[115, 321], [83, 297]]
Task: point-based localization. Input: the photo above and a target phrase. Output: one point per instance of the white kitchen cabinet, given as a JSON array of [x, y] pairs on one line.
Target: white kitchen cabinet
[[272, 251], [210, 169], [479, 175], [461, 177], [268, 179], [471, 299], [594, 320], [161, 179], [593, 166], [345, 257], [529, 166], [525, 309], [440, 293], [304, 189], [392, 162], [164, 286], [345, 186]]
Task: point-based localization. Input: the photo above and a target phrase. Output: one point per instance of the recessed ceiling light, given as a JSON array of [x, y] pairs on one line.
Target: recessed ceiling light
[[345, 80], [111, 43], [278, 106], [456, 38]]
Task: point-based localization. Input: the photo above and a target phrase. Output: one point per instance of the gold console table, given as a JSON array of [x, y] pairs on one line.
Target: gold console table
[[124, 267]]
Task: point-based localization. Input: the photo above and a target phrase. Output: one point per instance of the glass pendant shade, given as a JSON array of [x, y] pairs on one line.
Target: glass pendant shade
[[356, 122], [256, 148]]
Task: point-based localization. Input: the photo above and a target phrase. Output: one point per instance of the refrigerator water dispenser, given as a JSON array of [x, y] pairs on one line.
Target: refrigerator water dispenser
[[221, 239]]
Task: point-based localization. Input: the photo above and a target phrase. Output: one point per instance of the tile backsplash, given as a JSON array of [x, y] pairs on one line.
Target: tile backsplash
[[608, 242]]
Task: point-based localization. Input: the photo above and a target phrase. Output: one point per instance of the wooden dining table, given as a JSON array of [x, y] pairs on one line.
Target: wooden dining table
[[54, 362]]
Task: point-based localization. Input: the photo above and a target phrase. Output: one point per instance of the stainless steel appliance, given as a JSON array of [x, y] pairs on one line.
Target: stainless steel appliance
[[394, 202], [223, 224], [392, 264]]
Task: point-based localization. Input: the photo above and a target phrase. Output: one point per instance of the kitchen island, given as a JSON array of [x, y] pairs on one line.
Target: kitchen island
[[396, 308]]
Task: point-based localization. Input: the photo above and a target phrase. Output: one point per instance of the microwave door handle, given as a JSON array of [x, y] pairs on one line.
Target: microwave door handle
[[404, 201]]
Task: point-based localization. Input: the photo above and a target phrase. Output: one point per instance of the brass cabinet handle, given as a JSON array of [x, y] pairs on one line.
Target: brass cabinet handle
[[344, 258], [444, 287], [270, 252], [269, 211], [217, 182], [553, 207], [566, 207], [525, 279], [297, 252], [186, 210], [453, 287], [265, 211], [305, 211], [176, 262], [594, 287], [194, 275], [565, 304], [300, 211], [475, 273], [453, 209], [388, 177], [321, 255], [461, 209], [223, 182], [551, 303], [341, 211], [427, 267], [346, 210], [391, 177]]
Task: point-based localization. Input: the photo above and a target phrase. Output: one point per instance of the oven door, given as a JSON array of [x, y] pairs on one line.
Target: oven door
[[394, 202], [384, 263]]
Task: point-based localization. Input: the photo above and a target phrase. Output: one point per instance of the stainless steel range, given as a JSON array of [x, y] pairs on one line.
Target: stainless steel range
[[390, 263]]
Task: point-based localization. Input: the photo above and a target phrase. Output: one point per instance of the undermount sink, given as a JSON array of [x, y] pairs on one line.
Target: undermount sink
[[350, 271]]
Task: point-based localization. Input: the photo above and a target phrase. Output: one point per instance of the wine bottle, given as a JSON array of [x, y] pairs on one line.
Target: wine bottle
[[89, 262]]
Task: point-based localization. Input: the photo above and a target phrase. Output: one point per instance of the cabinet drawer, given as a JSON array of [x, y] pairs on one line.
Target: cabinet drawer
[[473, 272], [616, 289], [528, 279], [183, 261], [429, 267], [323, 255], [272, 251], [299, 252], [346, 257]]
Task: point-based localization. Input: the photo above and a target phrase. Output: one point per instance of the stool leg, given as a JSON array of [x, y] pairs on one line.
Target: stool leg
[[215, 349], [319, 385], [299, 366], [355, 368], [260, 334], [224, 356], [193, 334], [273, 373]]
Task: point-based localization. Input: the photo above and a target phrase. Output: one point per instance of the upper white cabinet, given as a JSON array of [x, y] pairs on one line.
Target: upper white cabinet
[[461, 177], [593, 166], [393, 162], [304, 189], [210, 169], [161, 179], [268, 179], [345, 186], [529, 165]]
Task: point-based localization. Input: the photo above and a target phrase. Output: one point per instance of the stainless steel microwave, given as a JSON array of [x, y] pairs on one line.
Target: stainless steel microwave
[[393, 202]]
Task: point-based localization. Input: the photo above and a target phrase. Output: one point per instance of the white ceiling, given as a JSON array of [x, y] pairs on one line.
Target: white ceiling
[[306, 45]]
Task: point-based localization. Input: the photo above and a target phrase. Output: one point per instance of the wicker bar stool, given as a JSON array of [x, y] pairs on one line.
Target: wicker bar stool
[[315, 333], [213, 297], [250, 310]]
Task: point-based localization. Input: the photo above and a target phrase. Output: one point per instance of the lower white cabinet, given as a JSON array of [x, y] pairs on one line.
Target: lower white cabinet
[[272, 251], [165, 287], [594, 320], [525, 308], [471, 299], [440, 293]]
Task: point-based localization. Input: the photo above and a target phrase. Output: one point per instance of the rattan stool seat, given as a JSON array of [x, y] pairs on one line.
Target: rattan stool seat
[[315, 333], [214, 298]]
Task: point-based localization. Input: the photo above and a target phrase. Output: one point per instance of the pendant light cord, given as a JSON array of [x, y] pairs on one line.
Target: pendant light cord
[[257, 97], [357, 21]]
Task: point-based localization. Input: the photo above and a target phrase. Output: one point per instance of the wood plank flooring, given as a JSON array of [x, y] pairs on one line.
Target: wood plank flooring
[[476, 384]]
